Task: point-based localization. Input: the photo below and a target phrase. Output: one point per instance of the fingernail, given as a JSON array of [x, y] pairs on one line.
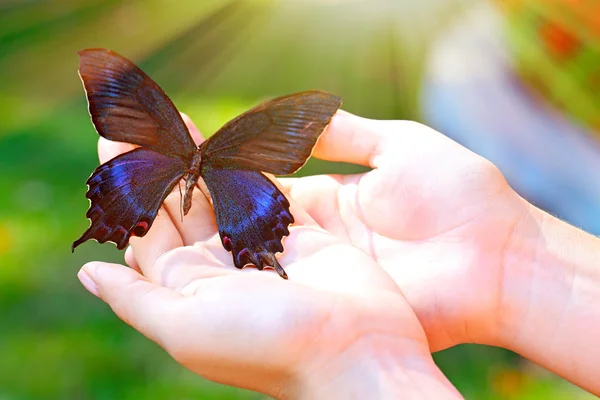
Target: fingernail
[[87, 282]]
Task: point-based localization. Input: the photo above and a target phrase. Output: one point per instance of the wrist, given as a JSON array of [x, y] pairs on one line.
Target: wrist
[[545, 257], [377, 367], [519, 266], [550, 293]]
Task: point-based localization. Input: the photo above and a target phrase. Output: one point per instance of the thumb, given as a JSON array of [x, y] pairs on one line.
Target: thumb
[[149, 308]]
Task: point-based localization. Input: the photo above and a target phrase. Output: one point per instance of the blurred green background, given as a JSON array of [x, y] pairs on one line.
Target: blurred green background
[[215, 59]]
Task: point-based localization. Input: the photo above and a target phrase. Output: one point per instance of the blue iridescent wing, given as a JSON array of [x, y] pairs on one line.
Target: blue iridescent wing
[[275, 137], [252, 215], [126, 193], [127, 106]]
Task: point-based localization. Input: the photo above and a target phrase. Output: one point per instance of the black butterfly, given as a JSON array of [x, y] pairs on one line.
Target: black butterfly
[[126, 192]]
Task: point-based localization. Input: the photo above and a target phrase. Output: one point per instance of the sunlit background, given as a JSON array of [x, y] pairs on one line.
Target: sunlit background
[[516, 81]]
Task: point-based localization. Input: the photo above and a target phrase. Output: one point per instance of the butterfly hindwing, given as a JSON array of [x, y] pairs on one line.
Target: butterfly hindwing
[[275, 137], [252, 214], [126, 193], [127, 106]]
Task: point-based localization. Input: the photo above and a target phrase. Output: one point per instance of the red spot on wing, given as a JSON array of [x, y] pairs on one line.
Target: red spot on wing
[[140, 229], [227, 243]]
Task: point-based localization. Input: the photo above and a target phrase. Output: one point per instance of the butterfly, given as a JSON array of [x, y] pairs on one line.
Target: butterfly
[[125, 193]]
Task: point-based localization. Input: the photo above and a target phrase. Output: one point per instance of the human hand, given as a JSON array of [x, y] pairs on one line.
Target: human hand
[[437, 217], [475, 261], [339, 326]]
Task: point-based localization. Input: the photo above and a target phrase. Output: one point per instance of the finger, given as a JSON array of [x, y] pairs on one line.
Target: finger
[[199, 224], [149, 308], [369, 142], [107, 149], [301, 216], [130, 259], [194, 131], [319, 197], [356, 140], [351, 139]]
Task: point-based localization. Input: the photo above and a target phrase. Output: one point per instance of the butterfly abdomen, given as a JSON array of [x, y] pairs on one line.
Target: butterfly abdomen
[[193, 174]]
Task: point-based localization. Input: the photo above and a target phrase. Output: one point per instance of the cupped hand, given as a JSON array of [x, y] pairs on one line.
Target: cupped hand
[[251, 328], [437, 217]]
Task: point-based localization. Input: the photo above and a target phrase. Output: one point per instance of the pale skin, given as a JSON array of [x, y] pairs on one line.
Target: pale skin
[[430, 249]]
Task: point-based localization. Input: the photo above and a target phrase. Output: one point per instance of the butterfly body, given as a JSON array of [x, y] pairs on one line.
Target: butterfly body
[[126, 192], [191, 180]]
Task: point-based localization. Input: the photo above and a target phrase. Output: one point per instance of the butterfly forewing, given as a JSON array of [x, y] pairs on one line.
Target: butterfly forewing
[[275, 137], [127, 106]]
